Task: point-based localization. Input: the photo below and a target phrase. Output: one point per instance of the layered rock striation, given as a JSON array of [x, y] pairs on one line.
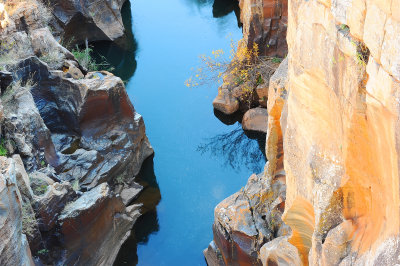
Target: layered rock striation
[[332, 136]]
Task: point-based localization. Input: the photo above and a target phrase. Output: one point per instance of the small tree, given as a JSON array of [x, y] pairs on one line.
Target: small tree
[[245, 69]]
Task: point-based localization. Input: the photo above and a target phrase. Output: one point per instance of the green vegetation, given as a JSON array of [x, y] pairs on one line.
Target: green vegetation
[[245, 69], [75, 185], [40, 190], [43, 252], [3, 150], [85, 59], [120, 179], [276, 60]]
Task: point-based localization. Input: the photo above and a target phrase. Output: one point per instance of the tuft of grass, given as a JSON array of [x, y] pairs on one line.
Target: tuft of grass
[[43, 251], [3, 150], [75, 185], [276, 60], [85, 59]]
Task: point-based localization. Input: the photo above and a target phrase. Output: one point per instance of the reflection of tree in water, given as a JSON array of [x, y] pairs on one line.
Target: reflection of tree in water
[[147, 224], [237, 149]]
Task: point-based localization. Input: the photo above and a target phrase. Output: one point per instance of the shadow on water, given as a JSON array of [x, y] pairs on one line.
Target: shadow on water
[[147, 224], [220, 8], [238, 148], [120, 54]]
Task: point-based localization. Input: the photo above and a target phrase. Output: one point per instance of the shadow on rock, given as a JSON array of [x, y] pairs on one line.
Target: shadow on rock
[[147, 224], [237, 149]]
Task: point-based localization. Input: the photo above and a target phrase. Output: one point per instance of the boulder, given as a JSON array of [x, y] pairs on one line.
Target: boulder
[[94, 227], [225, 102], [14, 248], [89, 20], [256, 119]]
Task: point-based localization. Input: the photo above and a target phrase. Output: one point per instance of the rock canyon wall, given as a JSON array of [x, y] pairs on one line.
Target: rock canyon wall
[[71, 141], [332, 146]]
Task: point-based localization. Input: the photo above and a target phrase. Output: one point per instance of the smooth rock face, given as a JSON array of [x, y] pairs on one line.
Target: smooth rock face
[[256, 119], [14, 248], [91, 20], [94, 227], [280, 252]]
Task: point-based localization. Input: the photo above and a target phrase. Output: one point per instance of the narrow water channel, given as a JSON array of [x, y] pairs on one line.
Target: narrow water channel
[[198, 160]]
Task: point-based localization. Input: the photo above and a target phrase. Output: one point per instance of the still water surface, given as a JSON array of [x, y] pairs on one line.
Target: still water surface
[[198, 160]]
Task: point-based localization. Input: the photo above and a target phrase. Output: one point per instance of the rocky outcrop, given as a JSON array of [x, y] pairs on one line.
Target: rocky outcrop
[[265, 22], [14, 248], [75, 142], [89, 20], [247, 220], [94, 227], [341, 135], [333, 137]]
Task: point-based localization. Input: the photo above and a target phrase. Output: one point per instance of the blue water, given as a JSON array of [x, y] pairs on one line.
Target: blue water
[[198, 160]]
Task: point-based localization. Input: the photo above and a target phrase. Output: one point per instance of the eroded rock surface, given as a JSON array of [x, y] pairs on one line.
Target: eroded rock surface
[[333, 133], [75, 141], [94, 227], [14, 248], [265, 22], [91, 20]]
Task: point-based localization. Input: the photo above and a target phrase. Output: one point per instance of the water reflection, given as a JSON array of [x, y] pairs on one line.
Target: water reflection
[[238, 149], [147, 224], [222, 8], [120, 54]]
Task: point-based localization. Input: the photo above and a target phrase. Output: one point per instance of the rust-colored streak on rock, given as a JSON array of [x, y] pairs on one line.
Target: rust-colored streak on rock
[[371, 186], [300, 217]]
